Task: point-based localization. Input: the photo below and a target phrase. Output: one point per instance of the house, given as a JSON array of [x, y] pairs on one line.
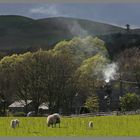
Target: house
[[20, 106], [43, 108]]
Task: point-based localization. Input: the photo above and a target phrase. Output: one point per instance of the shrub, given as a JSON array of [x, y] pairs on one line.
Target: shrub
[[92, 103], [129, 102], [19, 114]]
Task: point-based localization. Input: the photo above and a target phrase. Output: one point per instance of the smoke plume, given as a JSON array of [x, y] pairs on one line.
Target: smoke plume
[[77, 30], [110, 72]]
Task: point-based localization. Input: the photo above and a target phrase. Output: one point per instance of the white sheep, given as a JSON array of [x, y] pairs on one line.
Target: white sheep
[[17, 122], [53, 119], [14, 123], [90, 124]]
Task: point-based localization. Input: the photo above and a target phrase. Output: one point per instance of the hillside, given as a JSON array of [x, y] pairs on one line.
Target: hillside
[[80, 27], [17, 32], [20, 34]]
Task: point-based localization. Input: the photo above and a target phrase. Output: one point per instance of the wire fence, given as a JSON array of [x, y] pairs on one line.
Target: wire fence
[[111, 113]]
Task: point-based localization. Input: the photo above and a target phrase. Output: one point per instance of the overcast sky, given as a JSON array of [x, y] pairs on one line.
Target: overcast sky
[[117, 14]]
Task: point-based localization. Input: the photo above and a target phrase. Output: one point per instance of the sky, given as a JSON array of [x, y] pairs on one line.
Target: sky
[[118, 14]]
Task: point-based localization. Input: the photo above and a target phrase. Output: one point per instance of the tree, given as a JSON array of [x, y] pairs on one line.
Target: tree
[[89, 55], [130, 101], [127, 27], [45, 77], [41, 77], [129, 67], [12, 69], [90, 73], [7, 68], [22, 78], [54, 76], [59, 81], [80, 49], [92, 103]]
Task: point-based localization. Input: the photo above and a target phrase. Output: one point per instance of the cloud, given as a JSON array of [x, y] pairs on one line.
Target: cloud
[[48, 10]]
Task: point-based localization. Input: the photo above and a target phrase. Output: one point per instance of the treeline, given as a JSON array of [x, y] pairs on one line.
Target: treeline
[[53, 76], [40, 77], [118, 42], [56, 76]]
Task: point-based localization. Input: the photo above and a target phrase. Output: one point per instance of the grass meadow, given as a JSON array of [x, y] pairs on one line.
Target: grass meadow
[[75, 126]]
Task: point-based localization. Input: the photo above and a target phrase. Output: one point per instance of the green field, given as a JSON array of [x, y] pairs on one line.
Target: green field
[[76, 126]]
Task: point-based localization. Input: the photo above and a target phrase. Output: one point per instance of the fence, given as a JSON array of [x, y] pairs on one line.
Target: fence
[[105, 114]]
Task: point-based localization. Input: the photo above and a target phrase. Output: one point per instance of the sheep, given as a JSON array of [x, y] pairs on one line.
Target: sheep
[[53, 119], [90, 124], [14, 123], [17, 122]]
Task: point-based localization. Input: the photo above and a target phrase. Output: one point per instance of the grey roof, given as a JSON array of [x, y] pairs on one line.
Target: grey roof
[[20, 103], [44, 106]]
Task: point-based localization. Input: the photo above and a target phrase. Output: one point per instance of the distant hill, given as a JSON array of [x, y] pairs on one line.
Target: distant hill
[[75, 26], [20, 34]]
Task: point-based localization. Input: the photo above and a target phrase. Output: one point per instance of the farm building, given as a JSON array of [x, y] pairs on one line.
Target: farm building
[[20, 106], [43, 108]]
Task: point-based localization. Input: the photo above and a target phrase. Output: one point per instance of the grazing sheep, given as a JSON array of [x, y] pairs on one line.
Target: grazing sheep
[[14, 123], [90, 124], [53, 119], [17, 122]]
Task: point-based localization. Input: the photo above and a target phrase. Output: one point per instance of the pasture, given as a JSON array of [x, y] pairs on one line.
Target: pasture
[[75, 126]]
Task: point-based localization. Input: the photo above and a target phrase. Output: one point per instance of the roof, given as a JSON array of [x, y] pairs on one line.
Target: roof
[[20, 103], [43, 106]]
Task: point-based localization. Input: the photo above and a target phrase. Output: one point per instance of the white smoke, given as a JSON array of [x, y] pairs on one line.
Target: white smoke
[[110, 72], [77, 30]]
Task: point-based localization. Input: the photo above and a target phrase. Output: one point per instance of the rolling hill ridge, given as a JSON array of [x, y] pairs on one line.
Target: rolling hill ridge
[[20, 34]]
